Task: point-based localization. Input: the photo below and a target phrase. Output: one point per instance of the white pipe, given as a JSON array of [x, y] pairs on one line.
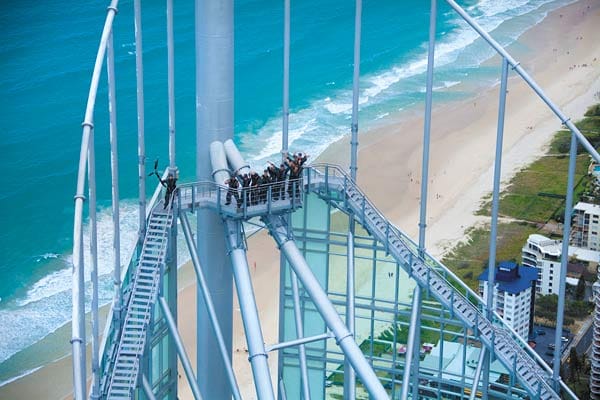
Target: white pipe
[[234, 158], [220, 170]]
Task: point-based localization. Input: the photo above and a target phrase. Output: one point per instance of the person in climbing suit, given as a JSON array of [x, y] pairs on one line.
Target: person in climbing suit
[[265, 183], [254, 181], [294, 185], [281, 177], [274, 181], [232, 184], [300, 159], [170, 184], [246, 189]]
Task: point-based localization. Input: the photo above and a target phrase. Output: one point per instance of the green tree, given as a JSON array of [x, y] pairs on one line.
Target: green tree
[[573, 364], [580, 290]]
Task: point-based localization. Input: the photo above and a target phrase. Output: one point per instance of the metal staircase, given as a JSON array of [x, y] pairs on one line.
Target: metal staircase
[[332, 184], [144, 292]]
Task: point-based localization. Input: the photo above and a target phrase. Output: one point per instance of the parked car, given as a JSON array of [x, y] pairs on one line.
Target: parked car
[[540, 332]]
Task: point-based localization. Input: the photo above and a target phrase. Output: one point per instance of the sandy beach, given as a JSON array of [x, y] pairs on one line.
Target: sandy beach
[[562, 54]]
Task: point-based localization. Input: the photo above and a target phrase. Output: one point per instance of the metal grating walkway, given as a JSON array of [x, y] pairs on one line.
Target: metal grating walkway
[[342, 190], [124, 374]]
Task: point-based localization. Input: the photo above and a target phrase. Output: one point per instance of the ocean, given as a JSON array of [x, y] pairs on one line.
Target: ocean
[[47, 54]]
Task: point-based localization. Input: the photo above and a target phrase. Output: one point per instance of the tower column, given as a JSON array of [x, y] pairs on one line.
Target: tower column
[[214, 121]]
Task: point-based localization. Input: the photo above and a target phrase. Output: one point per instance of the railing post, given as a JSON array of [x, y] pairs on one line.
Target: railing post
[[346, 191], [294, 192], [246, 194], [363, 208], [387, 237], [428, 282], [219, 199], [269, 187], [327, 180]]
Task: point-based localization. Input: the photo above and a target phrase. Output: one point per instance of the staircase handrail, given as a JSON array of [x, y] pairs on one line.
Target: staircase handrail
[[325, 170], [404, 237], [108, 333], [111, 358]]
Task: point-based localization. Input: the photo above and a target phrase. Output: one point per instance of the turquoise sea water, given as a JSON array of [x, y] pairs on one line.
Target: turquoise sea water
[[47, 53]]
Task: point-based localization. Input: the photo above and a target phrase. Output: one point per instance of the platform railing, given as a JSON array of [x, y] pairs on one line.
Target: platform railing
[[253, 201]]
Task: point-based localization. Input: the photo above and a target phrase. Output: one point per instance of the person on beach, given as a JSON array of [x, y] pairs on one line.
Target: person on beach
[[232, 185]]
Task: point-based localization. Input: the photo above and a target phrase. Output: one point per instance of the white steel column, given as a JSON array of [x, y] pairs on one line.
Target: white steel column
[[114, 163], [139, 75], [94, 270], [286, 77], [171, 85], [412, 348], [214, 121], [247, 301], [345, 339]]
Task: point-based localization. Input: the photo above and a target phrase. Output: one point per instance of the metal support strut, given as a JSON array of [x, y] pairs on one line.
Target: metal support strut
[[345, 339]]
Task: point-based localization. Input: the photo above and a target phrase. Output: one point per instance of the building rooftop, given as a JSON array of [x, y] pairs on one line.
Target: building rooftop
[[511, 277], [546, 245], [453, 361], [587, 207], [584, 254]]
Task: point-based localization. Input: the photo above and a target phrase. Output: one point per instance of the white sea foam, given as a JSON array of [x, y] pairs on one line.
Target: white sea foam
[[61, 280], [327, 119], [46, 256]]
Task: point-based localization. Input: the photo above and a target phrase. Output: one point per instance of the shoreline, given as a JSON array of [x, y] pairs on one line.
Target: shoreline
[[458, 180]]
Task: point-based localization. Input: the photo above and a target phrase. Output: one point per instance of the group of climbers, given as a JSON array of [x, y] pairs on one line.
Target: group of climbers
[[255, 187]]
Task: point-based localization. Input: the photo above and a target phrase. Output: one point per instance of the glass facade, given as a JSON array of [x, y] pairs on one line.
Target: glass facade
[[383, 306]]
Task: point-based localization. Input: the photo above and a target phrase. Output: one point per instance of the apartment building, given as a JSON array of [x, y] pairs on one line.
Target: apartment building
[[514, 294]]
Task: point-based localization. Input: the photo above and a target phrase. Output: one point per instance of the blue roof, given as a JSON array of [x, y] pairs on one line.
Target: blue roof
[[511, 277]]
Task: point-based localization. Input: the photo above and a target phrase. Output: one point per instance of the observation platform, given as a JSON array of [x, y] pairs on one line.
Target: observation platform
[[204, 194]]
